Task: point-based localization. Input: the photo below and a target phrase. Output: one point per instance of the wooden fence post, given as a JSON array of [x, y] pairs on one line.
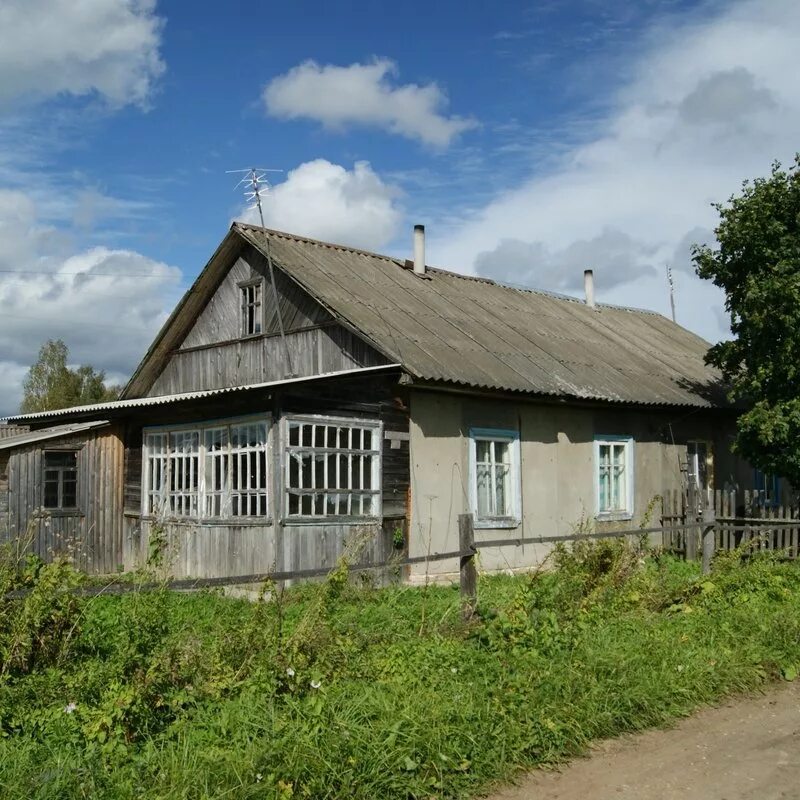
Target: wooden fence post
[[690, 534], [709, 535], [469, 574]]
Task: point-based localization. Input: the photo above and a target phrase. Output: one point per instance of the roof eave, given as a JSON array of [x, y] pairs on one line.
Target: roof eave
[[233, 234]]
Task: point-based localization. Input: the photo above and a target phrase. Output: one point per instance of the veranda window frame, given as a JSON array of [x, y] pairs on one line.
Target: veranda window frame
[[204, 454], [375, 453], [61, 471], [246, 303], [513, 517], [626, 442]]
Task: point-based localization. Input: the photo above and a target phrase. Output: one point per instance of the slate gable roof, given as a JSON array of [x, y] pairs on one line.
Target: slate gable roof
[[464, 331], [474, 332]]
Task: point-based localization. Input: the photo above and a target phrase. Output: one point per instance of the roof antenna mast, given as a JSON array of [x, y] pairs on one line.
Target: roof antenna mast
[[671, 291], [255, 182]]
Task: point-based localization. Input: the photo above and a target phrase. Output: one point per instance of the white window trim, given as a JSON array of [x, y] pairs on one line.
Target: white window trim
[[377, 470], [497, 434], [202, 427], [630, 468]]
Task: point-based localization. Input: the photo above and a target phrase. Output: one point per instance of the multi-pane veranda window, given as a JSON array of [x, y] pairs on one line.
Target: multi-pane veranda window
[[332, 468], [210, 471], [614, 476], [60, 479], [251, 309], [494, 467]]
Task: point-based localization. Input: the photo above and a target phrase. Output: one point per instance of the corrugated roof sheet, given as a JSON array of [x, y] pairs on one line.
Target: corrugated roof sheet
[[476, 332], [139, 402], [43, 434]]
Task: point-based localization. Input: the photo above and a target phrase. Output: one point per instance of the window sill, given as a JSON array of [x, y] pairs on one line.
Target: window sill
[[498, 523], [617, 516], [305, 521], [207, 522], [61, 512]]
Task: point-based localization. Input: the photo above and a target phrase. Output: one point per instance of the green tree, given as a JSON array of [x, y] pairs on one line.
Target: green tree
[[51, 384], [757, 264]]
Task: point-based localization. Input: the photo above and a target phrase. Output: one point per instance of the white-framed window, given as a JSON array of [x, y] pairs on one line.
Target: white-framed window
[[332, 467], [214, 470], [494, 481], [252, 307], [613, 463]]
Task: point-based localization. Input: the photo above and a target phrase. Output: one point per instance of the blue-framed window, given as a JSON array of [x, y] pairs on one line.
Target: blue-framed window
[[494, 485], [614, 486]]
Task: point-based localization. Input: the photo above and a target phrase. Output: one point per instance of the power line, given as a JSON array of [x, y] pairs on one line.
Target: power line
[[83, 272], [72, 323]]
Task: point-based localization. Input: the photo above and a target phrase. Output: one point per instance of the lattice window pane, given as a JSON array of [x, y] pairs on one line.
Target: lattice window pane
[[217, 471], [332, 468], [249, 482]]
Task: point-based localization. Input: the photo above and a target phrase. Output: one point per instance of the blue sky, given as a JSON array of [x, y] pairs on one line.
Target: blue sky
[[533, 140]]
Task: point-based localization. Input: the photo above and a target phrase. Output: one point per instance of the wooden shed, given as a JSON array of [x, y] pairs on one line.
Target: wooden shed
[[60, 492]]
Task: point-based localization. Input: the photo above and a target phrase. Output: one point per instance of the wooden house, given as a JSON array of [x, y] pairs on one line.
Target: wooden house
[[303, 393]]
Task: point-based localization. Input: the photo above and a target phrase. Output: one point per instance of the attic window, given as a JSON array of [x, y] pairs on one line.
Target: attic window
[[252, 309]]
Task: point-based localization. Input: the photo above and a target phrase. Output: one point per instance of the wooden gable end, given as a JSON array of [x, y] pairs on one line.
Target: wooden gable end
[[221, 319], [215, 354]]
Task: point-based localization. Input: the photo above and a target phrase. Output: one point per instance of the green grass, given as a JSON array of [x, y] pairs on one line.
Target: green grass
[[337, 690]]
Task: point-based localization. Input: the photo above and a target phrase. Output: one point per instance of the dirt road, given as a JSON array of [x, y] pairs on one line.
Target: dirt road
[[746, 749]]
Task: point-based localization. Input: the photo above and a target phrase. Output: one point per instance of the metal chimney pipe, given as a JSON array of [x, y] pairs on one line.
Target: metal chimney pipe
[[419, 249], [588, 287]]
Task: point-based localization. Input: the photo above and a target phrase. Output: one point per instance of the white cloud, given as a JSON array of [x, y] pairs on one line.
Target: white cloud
[[711, 102], [363, 94], [326, 201], [49, 47], [106, 304], [613, 253]]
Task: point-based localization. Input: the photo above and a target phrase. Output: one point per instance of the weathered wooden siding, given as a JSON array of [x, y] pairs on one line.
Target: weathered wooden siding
[[330, 348], [4, 497], [213, 354], [92, 535], [220, 320], [201, 549]]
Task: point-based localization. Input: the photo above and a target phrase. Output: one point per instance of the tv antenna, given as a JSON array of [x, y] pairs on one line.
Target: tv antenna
[[671, 291], [254, 180], [255, 183]]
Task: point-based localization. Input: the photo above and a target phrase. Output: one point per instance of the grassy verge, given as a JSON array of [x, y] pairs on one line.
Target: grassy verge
[[335, 690]]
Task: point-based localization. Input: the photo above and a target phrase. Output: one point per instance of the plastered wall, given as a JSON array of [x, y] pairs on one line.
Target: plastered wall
[[556, 465]]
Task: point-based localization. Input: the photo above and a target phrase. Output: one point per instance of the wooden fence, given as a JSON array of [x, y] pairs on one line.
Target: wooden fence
[[740, 518], [690, 527]]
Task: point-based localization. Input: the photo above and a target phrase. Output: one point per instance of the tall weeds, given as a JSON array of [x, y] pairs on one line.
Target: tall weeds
[[338, 689]]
